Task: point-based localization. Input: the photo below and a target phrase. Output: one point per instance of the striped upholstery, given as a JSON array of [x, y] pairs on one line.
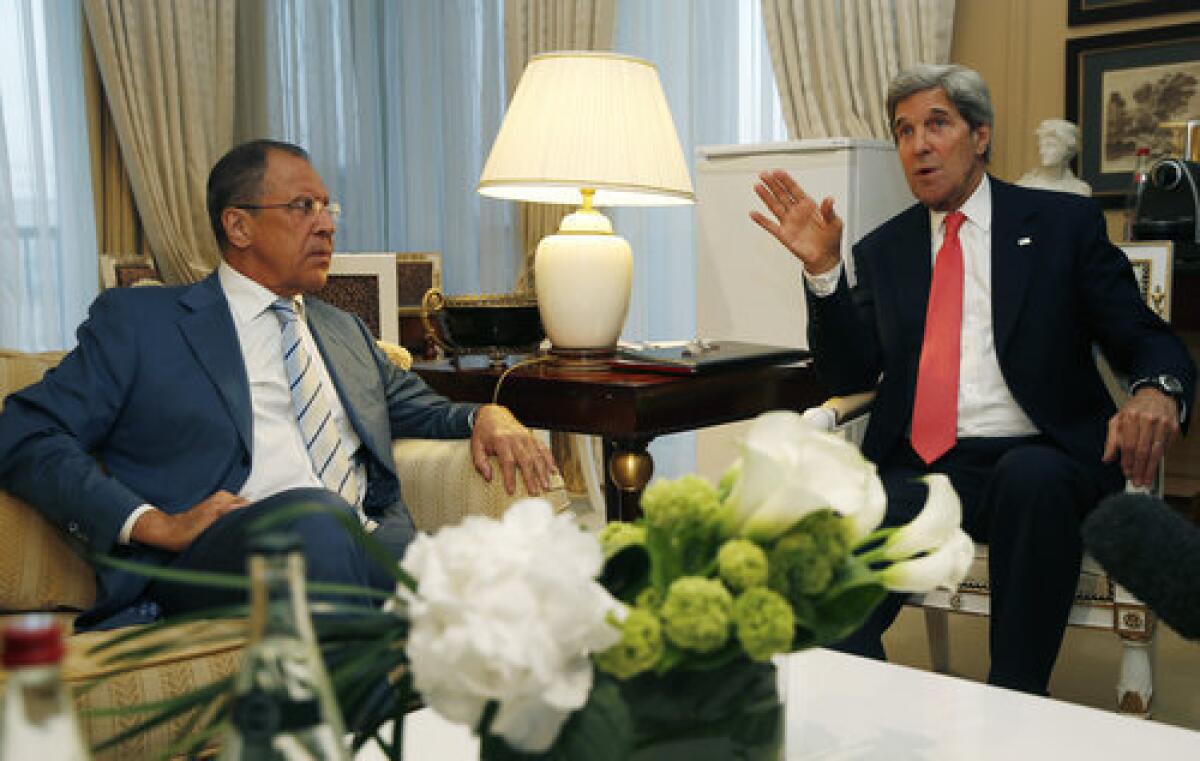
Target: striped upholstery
[[38, 569]]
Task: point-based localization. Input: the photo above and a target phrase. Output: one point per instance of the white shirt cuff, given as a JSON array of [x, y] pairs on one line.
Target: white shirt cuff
[[824, 284], [127, 527]]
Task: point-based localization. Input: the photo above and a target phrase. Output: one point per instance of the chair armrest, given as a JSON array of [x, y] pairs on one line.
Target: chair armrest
[[836, 411], [847, 408], [441, 486], [399, 356], [39, 569]]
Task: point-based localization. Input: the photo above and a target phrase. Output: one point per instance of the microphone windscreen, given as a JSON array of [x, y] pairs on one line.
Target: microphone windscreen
[[1153, 552]]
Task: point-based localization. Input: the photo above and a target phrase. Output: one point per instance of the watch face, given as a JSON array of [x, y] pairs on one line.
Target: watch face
[[1170, 384]]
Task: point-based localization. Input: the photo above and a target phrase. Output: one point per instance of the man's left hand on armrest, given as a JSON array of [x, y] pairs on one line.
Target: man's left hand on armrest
[[498, 433]]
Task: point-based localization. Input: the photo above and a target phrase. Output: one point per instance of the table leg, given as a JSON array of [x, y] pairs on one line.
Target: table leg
[[627, 470]]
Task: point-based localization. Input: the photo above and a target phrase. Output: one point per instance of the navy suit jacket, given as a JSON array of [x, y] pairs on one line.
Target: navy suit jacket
[[1058, 287], [153, 406]]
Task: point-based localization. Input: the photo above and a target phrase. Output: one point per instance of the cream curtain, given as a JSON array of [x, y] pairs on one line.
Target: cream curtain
[[833, 59], [118, 229], [539, 26], [168, 71]]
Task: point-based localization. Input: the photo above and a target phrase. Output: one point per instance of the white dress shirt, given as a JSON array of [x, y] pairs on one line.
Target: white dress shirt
[[278, 459], [985, 405]]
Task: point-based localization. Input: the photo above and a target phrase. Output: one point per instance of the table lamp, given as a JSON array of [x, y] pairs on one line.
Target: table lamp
[[589, 129]]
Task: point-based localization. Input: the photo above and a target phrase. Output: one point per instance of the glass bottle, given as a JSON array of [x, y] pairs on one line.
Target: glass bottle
[[284, 708], [1137, 186], [39, 719]]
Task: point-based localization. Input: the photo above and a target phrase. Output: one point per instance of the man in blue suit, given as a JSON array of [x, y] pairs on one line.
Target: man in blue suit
[[184, 413], [974, 315]]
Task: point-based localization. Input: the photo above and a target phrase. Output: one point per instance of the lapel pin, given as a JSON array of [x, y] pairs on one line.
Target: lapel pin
[[1024, 241]]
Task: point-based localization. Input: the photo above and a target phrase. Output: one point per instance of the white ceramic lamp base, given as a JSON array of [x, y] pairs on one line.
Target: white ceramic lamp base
[[583, 274]]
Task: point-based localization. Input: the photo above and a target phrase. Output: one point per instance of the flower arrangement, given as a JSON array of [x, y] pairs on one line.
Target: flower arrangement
[[784, 554], [553, 643]]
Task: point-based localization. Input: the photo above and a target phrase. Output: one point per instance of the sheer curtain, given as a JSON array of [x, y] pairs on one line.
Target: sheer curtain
[[398, 103], [48, 259], [711, 56]]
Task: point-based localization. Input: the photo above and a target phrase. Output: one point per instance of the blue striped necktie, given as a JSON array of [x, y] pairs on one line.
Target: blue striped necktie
[[331, 461]]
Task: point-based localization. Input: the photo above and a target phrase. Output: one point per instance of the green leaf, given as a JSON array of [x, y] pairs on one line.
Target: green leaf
[[179, 576], [601, 730], [376, 551], [168, 710], [626, 573], [854, 593]]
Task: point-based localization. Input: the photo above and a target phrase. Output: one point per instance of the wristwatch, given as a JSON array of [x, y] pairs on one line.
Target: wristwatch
[[1168, 384]]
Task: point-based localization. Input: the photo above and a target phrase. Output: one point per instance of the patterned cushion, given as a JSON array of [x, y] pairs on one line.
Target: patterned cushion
[[441, 486], [38, 569], [20, 369], [211, 653]]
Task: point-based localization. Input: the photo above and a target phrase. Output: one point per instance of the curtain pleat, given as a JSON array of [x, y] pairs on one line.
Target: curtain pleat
[[833, 60], [168, 72]]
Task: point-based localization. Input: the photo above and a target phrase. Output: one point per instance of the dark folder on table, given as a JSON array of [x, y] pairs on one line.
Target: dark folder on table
[[693, 358]]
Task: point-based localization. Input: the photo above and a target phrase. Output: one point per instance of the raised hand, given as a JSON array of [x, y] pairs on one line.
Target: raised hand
[[812, 232]]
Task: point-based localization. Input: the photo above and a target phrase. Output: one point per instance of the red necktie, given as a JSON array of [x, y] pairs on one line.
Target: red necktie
[[935, 409]]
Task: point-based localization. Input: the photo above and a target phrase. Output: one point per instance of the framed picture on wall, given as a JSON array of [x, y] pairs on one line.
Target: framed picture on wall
[[1080, 12], [1121, 88], [416, 273], [365, 285]]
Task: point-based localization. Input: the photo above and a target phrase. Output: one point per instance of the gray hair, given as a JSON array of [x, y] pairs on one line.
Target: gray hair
[[964, 88]]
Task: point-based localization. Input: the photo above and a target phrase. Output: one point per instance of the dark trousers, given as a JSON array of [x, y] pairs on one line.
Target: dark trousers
[[331, 553], [1025, 499]]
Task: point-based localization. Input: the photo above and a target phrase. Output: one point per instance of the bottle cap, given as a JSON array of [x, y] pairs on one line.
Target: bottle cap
[[33, 641], [276, 543]]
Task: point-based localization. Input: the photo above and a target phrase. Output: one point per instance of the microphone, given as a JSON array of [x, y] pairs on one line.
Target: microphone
[[1154, 552]]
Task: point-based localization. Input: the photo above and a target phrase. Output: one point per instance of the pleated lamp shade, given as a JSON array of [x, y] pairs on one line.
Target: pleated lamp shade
[[594, 120]]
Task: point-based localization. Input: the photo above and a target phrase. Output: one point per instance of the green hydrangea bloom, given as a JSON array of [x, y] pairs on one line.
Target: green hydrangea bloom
[[666, 502], [742, 564], [803, 561], [648, 598], [618, 535], [640, 649], [725, 487], [764, 622], [697, 614]]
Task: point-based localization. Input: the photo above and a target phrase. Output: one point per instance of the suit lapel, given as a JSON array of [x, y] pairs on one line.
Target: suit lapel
[[209, 330], [1014, 250], [911, 261], [349, 369]]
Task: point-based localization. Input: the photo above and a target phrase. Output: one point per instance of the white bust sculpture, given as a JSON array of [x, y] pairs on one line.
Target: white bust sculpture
[[1058, 141]]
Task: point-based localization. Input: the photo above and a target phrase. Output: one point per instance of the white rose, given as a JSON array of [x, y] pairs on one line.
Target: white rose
[[509, 611], [788, 470]]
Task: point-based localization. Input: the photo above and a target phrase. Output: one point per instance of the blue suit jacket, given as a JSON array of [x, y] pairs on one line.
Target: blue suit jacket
[[1058, 287], [153, 406]]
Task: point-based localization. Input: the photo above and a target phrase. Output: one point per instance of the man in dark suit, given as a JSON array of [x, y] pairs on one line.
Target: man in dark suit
[[184, 413], [974, 315]]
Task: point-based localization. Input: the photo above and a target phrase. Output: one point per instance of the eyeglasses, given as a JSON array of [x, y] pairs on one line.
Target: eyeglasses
[[309, 207]]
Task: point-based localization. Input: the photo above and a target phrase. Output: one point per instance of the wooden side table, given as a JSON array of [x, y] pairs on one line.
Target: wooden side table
[[627, 408]]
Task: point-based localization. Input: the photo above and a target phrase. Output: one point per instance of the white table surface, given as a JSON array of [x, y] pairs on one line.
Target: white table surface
[[843, 708]]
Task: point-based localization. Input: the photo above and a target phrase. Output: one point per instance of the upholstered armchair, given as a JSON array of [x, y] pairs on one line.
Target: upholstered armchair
[[1100, 602], [41, 571]]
